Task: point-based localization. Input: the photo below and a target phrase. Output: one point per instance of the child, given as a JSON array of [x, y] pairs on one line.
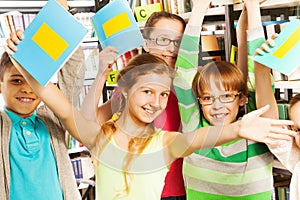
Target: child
[[238, 159], [288, 153], [129, 147], [34, 160], [162, 34]]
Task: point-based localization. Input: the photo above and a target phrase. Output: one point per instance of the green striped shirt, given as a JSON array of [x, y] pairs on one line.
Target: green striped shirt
[[241, 169]]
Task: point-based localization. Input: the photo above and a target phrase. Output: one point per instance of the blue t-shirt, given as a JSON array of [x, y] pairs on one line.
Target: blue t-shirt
[[33, 169]]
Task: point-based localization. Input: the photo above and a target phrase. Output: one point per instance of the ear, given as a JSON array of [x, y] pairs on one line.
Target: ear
[[243, 100], [145, 47]]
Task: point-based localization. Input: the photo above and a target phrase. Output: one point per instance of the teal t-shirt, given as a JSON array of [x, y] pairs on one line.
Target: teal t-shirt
[[33, 169]]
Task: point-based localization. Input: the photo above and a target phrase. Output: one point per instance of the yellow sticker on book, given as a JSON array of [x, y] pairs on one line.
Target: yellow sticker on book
[[48, 40], [142, 13], [112, 77], [116, 24], [288, 44]]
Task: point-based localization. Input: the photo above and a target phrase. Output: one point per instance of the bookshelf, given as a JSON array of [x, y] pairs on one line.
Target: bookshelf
[[35, 6]]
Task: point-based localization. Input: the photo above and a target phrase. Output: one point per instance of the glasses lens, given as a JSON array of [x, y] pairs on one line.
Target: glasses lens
[[226, 98], [206, 100], [177, 43], [163, 41]]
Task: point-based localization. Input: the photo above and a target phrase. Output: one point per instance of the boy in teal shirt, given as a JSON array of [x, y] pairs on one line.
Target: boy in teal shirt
[[34, 160]]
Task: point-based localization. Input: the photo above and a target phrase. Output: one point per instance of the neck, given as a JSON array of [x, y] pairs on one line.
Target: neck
[[127, 126]]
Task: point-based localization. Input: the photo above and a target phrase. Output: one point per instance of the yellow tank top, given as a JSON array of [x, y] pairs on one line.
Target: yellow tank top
[[148, 172]]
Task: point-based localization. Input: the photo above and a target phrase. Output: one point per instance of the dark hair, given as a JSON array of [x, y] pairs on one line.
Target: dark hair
[[5, 64], [294, 100], [156, 16]]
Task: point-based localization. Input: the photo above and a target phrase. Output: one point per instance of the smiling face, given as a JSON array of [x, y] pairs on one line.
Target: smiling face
[[17, 94], [219, 113], [215, 79], [148, 97], [163, 29]]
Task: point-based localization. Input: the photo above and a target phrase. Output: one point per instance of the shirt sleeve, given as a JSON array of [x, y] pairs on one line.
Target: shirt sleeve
[[186, 66], [71, 77]]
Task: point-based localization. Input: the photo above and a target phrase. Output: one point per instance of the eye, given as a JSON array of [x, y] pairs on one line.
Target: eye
[[177, 42], [147, 91], [165, 94], [16, 81], [228, 96], [207, 98]]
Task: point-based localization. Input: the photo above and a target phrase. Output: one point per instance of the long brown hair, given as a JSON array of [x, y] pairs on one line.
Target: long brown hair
[[137, 67]]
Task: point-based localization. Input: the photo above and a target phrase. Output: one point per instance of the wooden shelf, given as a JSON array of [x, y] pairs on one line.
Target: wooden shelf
[[40, 4], [287, 84], [35, 6]]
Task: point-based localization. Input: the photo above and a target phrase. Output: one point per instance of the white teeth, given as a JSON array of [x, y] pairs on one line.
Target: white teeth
[[149, 111], [219, 116], [26, 99]]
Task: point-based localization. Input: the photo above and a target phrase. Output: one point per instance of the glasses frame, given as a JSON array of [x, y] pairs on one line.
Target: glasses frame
[[170, 40], [214, 98]]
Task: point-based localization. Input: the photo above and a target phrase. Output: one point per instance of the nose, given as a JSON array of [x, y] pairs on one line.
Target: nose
[[156, 101], [217, 104], [26, 89], [171, 47]]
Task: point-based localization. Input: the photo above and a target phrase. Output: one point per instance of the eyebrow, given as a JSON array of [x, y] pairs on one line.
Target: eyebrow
[[16, 75]]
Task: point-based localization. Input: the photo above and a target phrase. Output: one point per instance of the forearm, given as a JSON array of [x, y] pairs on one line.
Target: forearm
[[205, 137], [241, 34], [89, 107], [264, 93]]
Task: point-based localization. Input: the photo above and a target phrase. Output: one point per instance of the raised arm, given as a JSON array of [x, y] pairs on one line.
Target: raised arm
[[264, 93], [90, 107], [187, 65], [266, 130], [81, 129]]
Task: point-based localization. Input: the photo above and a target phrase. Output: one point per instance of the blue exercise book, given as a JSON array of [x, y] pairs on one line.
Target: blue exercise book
[[115, 26], [284, 57], [49, 40]]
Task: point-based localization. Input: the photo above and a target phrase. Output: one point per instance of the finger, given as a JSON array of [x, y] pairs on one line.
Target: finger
[[271, 42], [273, 36], [266, 47], [259, 111], [281, 122], [8, 50], [271, 143], [20, 34], [282, 131], [259, 51], [11, 45], [14, 38]]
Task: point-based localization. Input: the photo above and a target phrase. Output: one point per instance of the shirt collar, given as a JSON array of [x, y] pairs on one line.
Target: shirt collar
[[16, 118]]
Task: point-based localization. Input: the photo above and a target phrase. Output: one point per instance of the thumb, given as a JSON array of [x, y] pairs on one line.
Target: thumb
[[260, 111]]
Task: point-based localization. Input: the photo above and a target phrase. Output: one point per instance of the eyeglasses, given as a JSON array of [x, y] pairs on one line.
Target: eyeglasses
[[162, 41], [224, 98]]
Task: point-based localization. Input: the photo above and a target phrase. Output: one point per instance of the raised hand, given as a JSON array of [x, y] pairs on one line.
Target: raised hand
[[107, 57], [15, 38], [269, 131]]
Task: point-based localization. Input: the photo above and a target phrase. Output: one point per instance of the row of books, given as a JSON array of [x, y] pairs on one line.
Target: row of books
[[14, 20], [77, 168]]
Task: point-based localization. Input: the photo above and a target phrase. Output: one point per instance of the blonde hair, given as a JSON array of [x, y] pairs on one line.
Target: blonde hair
[[137, 67]]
